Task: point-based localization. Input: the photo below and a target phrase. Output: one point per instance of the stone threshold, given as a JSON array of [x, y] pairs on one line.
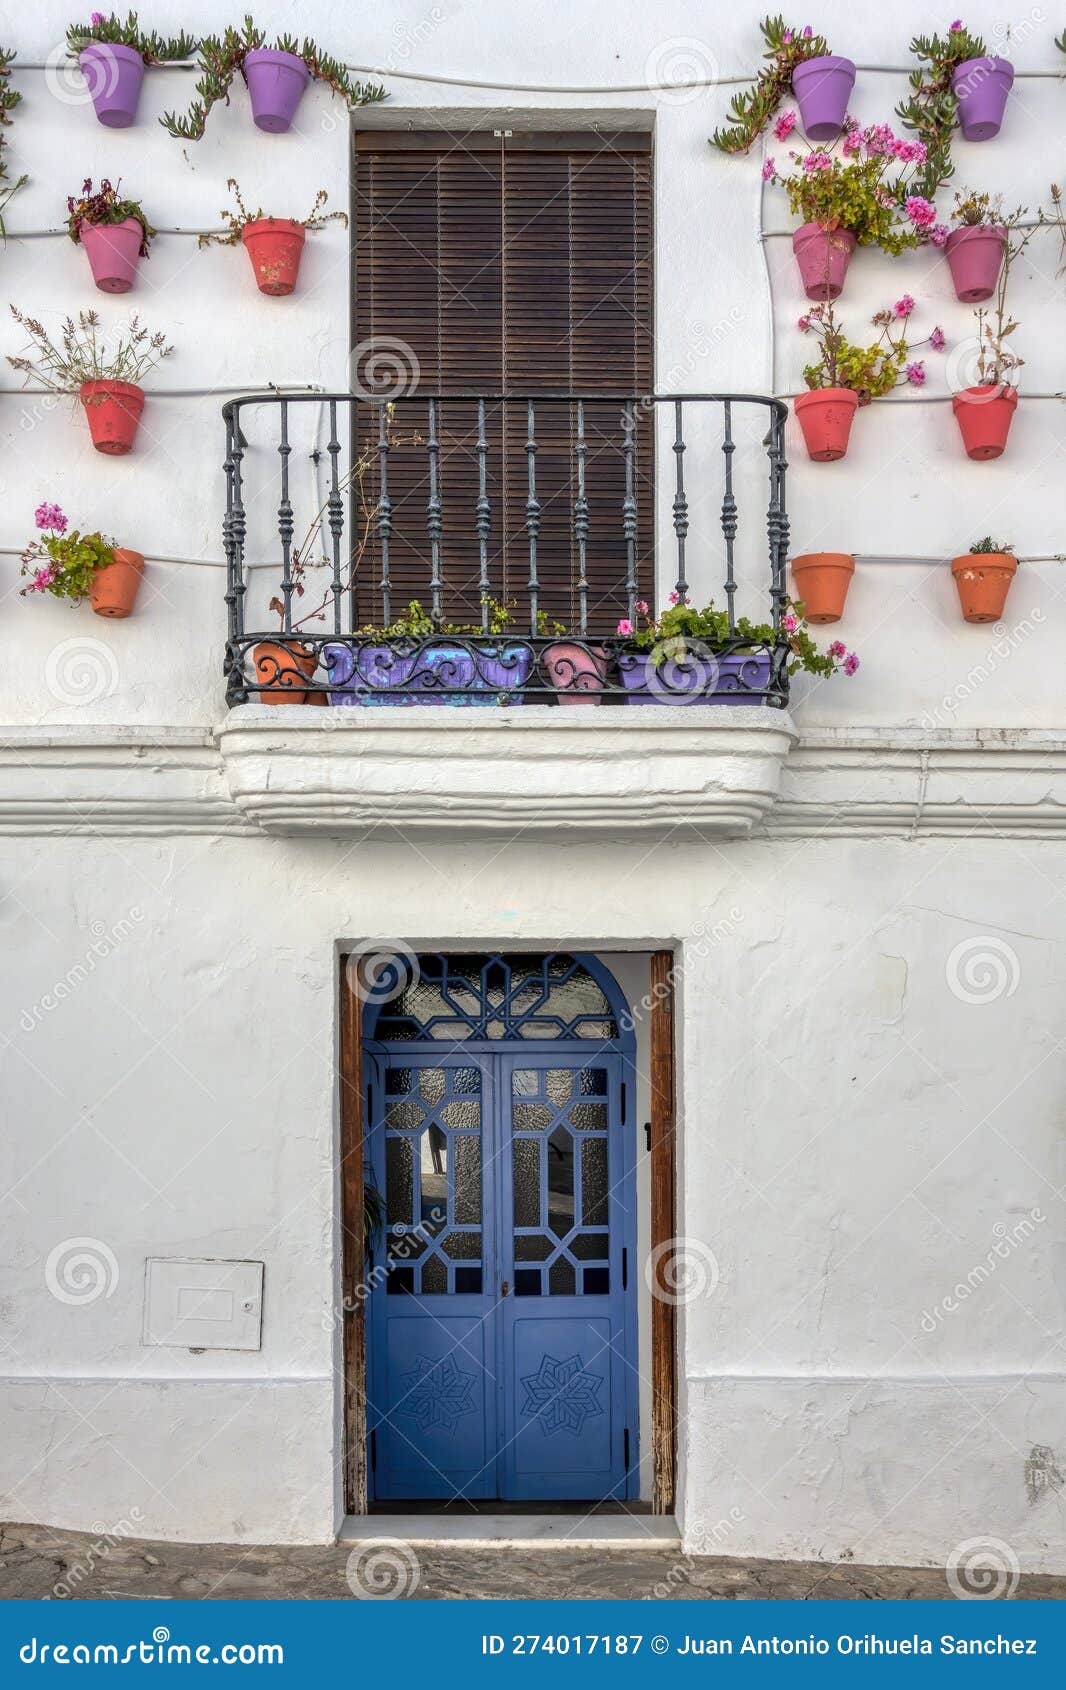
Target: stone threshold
[[519, 1531]]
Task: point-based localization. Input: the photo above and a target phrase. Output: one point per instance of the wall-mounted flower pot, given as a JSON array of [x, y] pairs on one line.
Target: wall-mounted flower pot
[[983, 580], [984, 415], [576, 672], [823, 256], [975, 255], [274, 245], [113, 409], [981, 87], [822, 582], [114, 587], [287, 666], [822, 88], [738, 678], [113, 250], [114, 74], [275, 84], [825, 416], [484, 675]]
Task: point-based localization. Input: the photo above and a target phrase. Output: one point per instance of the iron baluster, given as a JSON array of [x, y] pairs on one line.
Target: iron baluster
[[532, 513], [285, 521], [483, 520], [238, 524], [629, 516], [680, 501], [435, 523], [335, 508], [384, 514], [777, 521], [581, 521], [729, 515]]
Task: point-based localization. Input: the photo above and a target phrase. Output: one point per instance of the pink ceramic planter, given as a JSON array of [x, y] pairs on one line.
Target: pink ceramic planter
[[112, 250], [822, 88], [823, 256], [114, 74], [981, 87], [975, 255], [275, 84]]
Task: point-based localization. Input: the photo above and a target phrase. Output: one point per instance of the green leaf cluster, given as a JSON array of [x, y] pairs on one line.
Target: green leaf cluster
[[853, 195], [154, 49], [931, 109], [76, 558], [751, 111], [710, 627]]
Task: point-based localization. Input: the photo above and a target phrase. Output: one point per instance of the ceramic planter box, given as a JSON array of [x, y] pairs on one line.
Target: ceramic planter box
[[739, 678], [360, 676]]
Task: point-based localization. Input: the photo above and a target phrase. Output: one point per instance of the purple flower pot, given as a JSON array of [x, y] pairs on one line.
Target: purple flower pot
[[112, 250], [981, 87], [823, 87], [823, 256], [473, 676], [975, 255], [114, 74], [697, 678], [275, 83]]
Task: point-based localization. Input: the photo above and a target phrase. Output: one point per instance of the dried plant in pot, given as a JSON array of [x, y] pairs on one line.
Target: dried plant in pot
[[273, 244], [846, 376], [113, 55], [975, 246], [985, 409], [983, 577], [113, 231], [67, 564], [104, 375]]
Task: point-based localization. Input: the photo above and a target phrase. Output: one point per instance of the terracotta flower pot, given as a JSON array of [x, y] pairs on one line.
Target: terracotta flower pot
[[115, 586], [822, 582], [823, 256], [275, 83], [576, 671], [113, 250], [983, 580], [975, 255], [825, 416], [274, 245], [984, 416], [278, 665], [114, 410]]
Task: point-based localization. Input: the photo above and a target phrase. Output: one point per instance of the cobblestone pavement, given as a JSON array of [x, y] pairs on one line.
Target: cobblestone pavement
[[38, 1562]]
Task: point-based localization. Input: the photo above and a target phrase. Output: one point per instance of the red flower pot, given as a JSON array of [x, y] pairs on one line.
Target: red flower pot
[[984, 416], [975, 255], [822, 582], [825, 416], [114, 410], [112, 250], [274, 245], [823, 256], [983, 580], [115, 586]]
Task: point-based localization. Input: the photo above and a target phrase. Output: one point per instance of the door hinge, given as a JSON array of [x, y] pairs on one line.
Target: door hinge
[[625, 1449], [647, 1134]]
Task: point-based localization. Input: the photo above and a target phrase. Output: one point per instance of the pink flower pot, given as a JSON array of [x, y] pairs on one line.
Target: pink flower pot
[[576, 671], [823, 256], [114, 74], [822, 88], [975, 255], [112, 250], [981, 87], [275, 84]]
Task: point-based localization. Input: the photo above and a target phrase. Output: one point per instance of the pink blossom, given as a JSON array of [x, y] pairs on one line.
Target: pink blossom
[[852, 143], [50, 516], [939, 234], [807, 31], [97, 19], [817, 161], [674, 599], [838, 649], [921, 213], [878, 138], [851, 663], [785, 125], [956, 26], [803, 324], [787, 35], [903, 307], [788, 623], [43, 579], [642, 606], [769, 169], [937, 339], [625, 626], [916, 373]]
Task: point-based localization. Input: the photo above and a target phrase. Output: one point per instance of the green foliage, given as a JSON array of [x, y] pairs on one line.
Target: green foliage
[[682, 623], [106, 206], [982, 547], [221, 57], [932, 109], [83, 356], [64, 564], [154, 49], [416, 623], [751, 112], [9, 99], [869, 371], [975, 210], [237, 223], [853, 195]]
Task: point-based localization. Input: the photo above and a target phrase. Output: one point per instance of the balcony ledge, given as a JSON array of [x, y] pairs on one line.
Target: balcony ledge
[[587, 772]]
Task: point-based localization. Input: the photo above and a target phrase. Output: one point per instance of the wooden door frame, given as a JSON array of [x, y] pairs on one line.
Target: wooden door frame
[[663, 1157]]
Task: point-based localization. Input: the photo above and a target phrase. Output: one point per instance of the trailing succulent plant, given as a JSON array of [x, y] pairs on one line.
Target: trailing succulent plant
[[239, 220], [221, 57], [931, 109], [981, 548], [154, 49], [751, 111], [9, 99]]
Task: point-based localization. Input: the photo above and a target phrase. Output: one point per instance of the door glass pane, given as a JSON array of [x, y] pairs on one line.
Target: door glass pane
[[594, 1182], [399, 1185], [526, 1171], [561, 1182], [433, 1174], [467, 1179]]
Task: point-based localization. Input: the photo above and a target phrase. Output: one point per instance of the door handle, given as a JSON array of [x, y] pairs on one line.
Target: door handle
[[504, 1289]]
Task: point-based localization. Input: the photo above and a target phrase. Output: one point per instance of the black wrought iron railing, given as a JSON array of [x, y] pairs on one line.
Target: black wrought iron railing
[[523, 528]]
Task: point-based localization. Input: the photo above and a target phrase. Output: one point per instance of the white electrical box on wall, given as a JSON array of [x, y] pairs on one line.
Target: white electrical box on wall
[[203, 1305]]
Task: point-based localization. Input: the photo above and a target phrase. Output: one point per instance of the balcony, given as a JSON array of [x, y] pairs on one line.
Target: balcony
[[494, 554]]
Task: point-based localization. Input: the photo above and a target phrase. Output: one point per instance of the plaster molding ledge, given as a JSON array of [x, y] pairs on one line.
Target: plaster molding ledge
[[712, 771]]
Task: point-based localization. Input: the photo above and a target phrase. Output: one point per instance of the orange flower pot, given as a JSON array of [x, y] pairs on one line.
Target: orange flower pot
[[825, 416], [274, 245], [114, 587], [984, 416], [113, 409], [983, 580], [285, 666], [822, 582]]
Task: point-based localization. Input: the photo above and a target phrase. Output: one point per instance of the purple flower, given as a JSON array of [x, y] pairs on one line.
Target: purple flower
[[50, 516], [787, 35], [956, 26], [939, 234], [937, 339], [851, 663], [807, 31], [920, 211], [769, 169], [97, 19], [916, 373], [903, 307], [785, 125]]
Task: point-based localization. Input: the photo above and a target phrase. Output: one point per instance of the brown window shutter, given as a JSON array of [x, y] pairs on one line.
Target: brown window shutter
[[516, 265]]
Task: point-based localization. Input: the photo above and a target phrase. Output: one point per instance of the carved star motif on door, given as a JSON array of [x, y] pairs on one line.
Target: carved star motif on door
[[437, 1393], [562, 1395]]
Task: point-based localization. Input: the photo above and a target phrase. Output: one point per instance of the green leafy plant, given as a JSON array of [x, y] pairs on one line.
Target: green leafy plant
[[683, 626], [416, 623], [105, 206], [82, 355], [751, 111], [868, 371], [931, 110], [221, 57], [9, 99], [238, 221], [154, 49], [63, 564], [867, 189], [980, 547]]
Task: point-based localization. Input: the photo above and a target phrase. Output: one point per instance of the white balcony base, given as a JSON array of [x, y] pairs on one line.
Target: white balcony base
[[707, 770]]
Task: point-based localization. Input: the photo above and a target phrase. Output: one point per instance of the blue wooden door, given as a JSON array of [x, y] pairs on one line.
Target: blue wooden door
[[502, 1353]]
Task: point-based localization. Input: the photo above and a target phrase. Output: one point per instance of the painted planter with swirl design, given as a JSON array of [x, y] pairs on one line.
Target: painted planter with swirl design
[[435, 672], [740, 677]]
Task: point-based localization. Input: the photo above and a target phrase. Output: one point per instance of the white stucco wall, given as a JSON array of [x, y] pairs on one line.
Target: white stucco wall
[[856, 1135]]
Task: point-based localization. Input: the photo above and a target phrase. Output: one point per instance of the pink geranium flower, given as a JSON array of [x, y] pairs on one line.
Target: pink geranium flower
[[50, 516], [920, 211], [625, 626], [838, 649], [788, 623], [769, 169], [903, 307], [938, 234], [642, 606], [674, 599], [785, 125], [851, 663], [916, 373], [937, 339]]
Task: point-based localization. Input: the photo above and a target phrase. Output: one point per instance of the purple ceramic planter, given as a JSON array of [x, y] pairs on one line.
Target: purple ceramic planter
[[981, 87], [359, 677], [695, 679], [822, 88], [114, 75], [275, 84]]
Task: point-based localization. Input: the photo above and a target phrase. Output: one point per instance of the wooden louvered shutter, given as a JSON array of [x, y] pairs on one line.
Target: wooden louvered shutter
[[508, 265]]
